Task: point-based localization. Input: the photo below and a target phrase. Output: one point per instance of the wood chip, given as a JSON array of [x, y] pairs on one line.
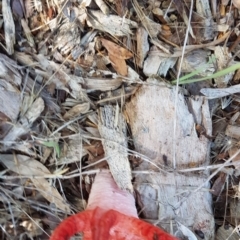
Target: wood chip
[[112, 24], [233, 131], [222, 56], [155, 64], [151, 114], [213, 93], [102, 84], [142, 46], [224, 233]]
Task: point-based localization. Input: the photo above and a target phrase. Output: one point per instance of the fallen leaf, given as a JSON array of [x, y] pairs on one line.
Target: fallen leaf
[[9, 100], [93, 131], [121, 6], [115, 50], [77, 110], [73, 150], [24, 165], [117, 56], [219, 184], [4, 118], [232, 151], [119, 65], [95, 148]]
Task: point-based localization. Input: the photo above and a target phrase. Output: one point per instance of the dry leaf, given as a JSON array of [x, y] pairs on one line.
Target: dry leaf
[[9, 100], [115, 50], [117, 56], [74, 150], [93, 131], [93, 118], [219, 184], [4, 118], [24, 165], [33, 112], [119, 65], [95, 148], [9, 70], [121, 7], [28, 33], [5, 125], [77, 110], [232, 151], [159, 14]]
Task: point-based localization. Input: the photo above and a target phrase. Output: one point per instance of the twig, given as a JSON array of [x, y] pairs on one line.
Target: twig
[[177, 87]]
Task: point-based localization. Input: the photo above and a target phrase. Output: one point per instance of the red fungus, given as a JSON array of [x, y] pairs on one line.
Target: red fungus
[[110, 215]]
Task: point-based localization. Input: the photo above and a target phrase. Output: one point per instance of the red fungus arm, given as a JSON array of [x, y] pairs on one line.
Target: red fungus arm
[[74, 224], [121, 226], [111, 215], [110, 225]]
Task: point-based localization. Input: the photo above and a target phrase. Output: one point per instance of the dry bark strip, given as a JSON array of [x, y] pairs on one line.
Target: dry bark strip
[[169, 194], [112, 128], [9, 27]]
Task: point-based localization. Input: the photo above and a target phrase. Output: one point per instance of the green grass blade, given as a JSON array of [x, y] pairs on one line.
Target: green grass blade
[[214, 75], [53, 145], [198, 70]]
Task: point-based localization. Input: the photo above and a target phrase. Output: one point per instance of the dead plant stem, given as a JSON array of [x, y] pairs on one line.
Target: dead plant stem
[[177, 86]]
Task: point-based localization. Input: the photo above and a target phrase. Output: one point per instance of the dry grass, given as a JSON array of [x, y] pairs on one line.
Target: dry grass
[[65, 61]]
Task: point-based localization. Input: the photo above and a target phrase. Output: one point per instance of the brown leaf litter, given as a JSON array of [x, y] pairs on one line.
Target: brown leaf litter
[[87, 85]]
